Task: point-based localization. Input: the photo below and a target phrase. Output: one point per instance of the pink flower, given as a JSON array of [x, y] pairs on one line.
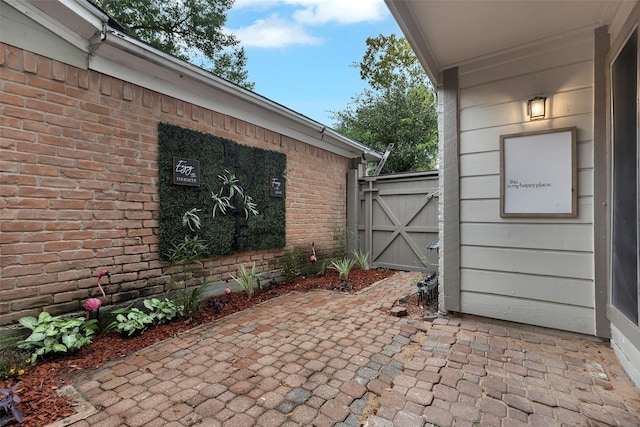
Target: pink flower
[[227, 291]]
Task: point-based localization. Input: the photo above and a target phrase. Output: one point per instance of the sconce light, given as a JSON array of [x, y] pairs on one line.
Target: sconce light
[[536, 107]]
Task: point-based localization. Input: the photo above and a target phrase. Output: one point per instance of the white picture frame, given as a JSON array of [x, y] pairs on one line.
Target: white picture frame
[[538, 174]]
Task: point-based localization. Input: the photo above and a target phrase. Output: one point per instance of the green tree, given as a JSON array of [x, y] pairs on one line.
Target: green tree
[[188, 29], [399, 109]]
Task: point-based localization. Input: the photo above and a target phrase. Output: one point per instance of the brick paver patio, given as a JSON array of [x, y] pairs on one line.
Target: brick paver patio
[[330, 359]]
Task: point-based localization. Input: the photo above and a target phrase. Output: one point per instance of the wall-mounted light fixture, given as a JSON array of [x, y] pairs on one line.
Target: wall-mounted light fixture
[[536, 107]]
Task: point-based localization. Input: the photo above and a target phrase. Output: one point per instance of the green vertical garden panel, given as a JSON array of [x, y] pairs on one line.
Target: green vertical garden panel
[[233, 231]]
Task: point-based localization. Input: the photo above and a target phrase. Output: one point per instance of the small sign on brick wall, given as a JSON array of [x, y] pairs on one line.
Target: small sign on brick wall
[[186, 172], [276, 186]]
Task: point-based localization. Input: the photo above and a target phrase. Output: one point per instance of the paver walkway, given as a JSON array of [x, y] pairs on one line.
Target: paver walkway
[[324, 358]]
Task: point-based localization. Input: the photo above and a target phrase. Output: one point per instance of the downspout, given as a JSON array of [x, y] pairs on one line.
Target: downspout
[[449, 283]]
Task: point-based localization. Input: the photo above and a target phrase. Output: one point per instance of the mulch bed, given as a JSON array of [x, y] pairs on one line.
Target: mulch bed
[[40, 403]]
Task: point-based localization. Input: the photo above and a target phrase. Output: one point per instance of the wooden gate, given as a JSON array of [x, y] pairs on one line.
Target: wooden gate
[[398, 217]]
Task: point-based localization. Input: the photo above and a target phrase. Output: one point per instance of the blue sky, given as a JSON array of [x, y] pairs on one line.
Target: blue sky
[[300, 51]]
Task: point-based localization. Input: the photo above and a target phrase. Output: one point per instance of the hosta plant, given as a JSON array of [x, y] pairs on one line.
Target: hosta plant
[[161, 310], [56, 334], [131, 321]]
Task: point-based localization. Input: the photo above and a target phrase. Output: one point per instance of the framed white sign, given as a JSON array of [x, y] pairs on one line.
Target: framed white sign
[[538, 174]]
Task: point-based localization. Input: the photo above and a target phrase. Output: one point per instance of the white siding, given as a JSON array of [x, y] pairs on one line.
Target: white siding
[[20, 31], [538, 271]]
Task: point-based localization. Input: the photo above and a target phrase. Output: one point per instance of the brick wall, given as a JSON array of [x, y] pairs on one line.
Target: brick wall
[[78, 186]]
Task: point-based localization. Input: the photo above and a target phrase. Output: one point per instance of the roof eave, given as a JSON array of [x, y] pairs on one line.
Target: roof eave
[[405, 17]]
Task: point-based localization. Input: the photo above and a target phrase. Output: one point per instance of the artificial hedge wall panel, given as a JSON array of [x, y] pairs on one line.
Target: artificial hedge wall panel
[[238, 229]]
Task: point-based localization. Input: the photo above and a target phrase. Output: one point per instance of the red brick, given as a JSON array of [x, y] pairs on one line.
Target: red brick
[[71, 75], [63, 225], [22, 226], [76, 255], [68, 122], [44, 66], [30, 214], [61, 246], [23, 113], [13, 57], [8, 237], [17, 294], [45, 83], [11, 99], [38, 192], [27, 303], [9, 75], [67, 204], [22, 248], [32, 260], [58, 71]]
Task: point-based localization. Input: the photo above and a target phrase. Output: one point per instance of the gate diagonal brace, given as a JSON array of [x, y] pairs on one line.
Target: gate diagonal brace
[[400, 226]]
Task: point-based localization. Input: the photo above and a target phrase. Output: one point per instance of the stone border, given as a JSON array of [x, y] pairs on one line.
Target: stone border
[[83, 408]]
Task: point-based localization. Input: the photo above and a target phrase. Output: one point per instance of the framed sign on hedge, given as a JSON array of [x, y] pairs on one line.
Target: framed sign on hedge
[[538, 174], [234, 203]]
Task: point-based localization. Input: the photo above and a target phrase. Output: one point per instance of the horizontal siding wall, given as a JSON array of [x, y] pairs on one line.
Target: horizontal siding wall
[[530, 270]]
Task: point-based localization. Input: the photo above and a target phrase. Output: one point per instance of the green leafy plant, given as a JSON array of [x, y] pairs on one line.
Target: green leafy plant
[[161, 310], [131, 321], [223, 202], [191, 219], [362, 258], [13, 360], [344, 266], [266, 230], [220, 203], [230, 181], [291, 263], [341, 236], [56, 334], [9, 410], [249, 206], [190, 250], [322, 268], [187, 300], [249, 280]]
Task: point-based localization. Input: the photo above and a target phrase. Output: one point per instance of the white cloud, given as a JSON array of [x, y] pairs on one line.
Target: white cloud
[[317, 12], [274, 32], [340, 11]]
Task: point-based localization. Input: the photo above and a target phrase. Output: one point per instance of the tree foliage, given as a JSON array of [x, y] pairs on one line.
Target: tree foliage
[[188, 29], [399, 109]]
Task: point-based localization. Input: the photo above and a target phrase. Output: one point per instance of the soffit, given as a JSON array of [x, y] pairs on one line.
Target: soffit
[[446, 34]]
